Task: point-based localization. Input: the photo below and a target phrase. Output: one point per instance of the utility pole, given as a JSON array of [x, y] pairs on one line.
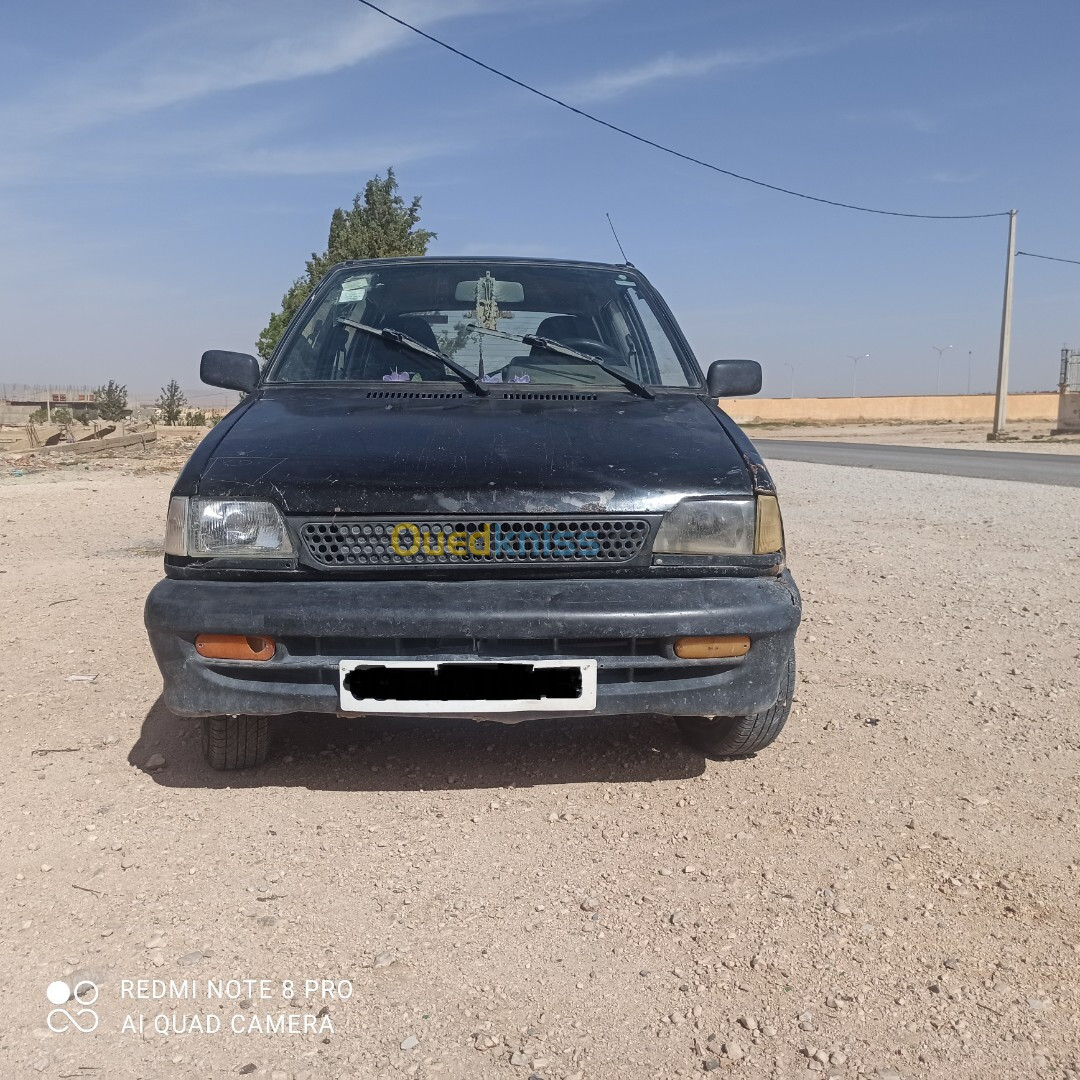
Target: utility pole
[[1001, 399], [855, 368], [939, 349]]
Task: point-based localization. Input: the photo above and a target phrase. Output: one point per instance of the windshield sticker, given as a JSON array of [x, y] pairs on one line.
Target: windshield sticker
[[354, 289]]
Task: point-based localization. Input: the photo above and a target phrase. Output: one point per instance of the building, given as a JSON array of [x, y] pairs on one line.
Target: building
[[1069, 394]]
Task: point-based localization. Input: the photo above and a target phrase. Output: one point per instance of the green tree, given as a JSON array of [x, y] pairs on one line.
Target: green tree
[[62, 418], [380, 225], [171, 403], [111, 401], [452, 341], [39, 416], [195, 418]]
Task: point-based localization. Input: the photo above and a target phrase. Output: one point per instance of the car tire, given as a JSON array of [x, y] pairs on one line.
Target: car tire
[[235, 742], [741, 736]]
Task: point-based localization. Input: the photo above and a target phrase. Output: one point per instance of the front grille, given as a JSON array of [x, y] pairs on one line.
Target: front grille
[[475, 541]]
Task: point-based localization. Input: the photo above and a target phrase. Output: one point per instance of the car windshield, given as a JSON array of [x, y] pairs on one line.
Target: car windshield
[[477, 313]]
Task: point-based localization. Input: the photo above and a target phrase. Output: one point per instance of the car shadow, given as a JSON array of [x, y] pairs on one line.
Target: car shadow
[[425, 754]]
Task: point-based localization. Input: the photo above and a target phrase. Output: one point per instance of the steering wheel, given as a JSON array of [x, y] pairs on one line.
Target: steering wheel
[[594, 348]]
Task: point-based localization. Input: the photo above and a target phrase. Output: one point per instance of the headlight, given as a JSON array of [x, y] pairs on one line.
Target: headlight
[[220, 528], [721, 527]]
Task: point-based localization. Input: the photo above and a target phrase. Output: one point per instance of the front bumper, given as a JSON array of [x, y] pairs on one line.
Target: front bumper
[[628, 625]]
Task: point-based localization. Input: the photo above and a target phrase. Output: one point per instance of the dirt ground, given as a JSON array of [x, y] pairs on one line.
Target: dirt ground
[[890, 890]]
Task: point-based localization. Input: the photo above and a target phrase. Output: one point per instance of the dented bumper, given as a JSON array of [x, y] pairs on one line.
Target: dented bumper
[[627, 624]]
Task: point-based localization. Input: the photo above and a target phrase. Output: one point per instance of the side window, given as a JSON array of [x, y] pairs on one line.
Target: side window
[[669, 367], [625, 340]]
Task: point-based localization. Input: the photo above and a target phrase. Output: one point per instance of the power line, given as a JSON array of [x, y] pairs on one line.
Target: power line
[[1049, 258], [661, 146]]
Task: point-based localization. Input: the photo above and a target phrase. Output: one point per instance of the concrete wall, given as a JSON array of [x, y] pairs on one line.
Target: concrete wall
[[1068, 419], [15, 414], [971, 407]]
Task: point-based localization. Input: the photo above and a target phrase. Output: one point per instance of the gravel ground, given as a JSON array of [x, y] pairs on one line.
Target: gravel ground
[[890, 890]]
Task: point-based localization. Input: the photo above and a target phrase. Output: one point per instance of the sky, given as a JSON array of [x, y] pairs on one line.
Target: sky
[[165, 169]]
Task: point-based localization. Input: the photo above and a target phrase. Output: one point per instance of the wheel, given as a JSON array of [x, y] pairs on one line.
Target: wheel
[[741, 736], [235, 742]]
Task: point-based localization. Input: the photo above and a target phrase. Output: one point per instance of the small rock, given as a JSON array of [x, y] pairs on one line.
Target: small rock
[[709, 1064], [1038, 1004], [383, 959], [192, 957], [155, 941], [155, 762], [250, 1067], [96, 975], [590, 903], [733, 1050], [410, 1043], [748, 1022], [519, 1059]]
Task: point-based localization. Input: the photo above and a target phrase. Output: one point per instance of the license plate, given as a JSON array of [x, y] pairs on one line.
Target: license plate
[[467, 686]]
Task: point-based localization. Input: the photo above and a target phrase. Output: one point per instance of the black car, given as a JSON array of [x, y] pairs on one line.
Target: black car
[[484, 487]]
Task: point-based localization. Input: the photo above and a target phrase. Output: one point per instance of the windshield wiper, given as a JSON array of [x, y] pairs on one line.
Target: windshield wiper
[[406, 342], [550, 345]]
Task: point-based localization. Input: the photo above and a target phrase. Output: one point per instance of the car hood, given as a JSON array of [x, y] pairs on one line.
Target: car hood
[[361, 451]]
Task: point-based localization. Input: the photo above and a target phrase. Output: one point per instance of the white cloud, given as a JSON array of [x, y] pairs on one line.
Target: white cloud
[[913, 119], [215, 49], [121, 114], [671, 66], [953, 176]]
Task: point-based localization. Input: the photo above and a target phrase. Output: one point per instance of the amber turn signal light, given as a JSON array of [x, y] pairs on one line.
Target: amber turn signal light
[[712, 648], [234, 647]]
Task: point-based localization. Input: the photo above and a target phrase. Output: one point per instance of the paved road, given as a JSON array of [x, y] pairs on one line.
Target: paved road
[[1061, 469]]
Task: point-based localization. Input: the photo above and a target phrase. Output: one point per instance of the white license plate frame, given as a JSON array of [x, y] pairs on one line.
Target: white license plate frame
[[585, 702]]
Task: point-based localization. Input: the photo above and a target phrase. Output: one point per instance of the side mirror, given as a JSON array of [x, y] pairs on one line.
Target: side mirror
[[733, 378], [231, 370]]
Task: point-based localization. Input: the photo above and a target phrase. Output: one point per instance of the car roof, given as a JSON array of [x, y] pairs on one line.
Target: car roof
[[522, 260]]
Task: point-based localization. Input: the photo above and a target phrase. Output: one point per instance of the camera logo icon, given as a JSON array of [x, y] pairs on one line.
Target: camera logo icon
[[84, 994]]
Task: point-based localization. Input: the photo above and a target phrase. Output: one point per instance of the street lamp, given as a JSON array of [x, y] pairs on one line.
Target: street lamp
[[791, 368], [939, 349], [855, 368]]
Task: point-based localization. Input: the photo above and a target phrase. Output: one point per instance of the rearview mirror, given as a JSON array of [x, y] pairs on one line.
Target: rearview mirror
[[231, 370], [502, 292], [733, 378]]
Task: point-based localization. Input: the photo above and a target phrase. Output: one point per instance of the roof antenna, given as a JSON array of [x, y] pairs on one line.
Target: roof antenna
[[625, 260]]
